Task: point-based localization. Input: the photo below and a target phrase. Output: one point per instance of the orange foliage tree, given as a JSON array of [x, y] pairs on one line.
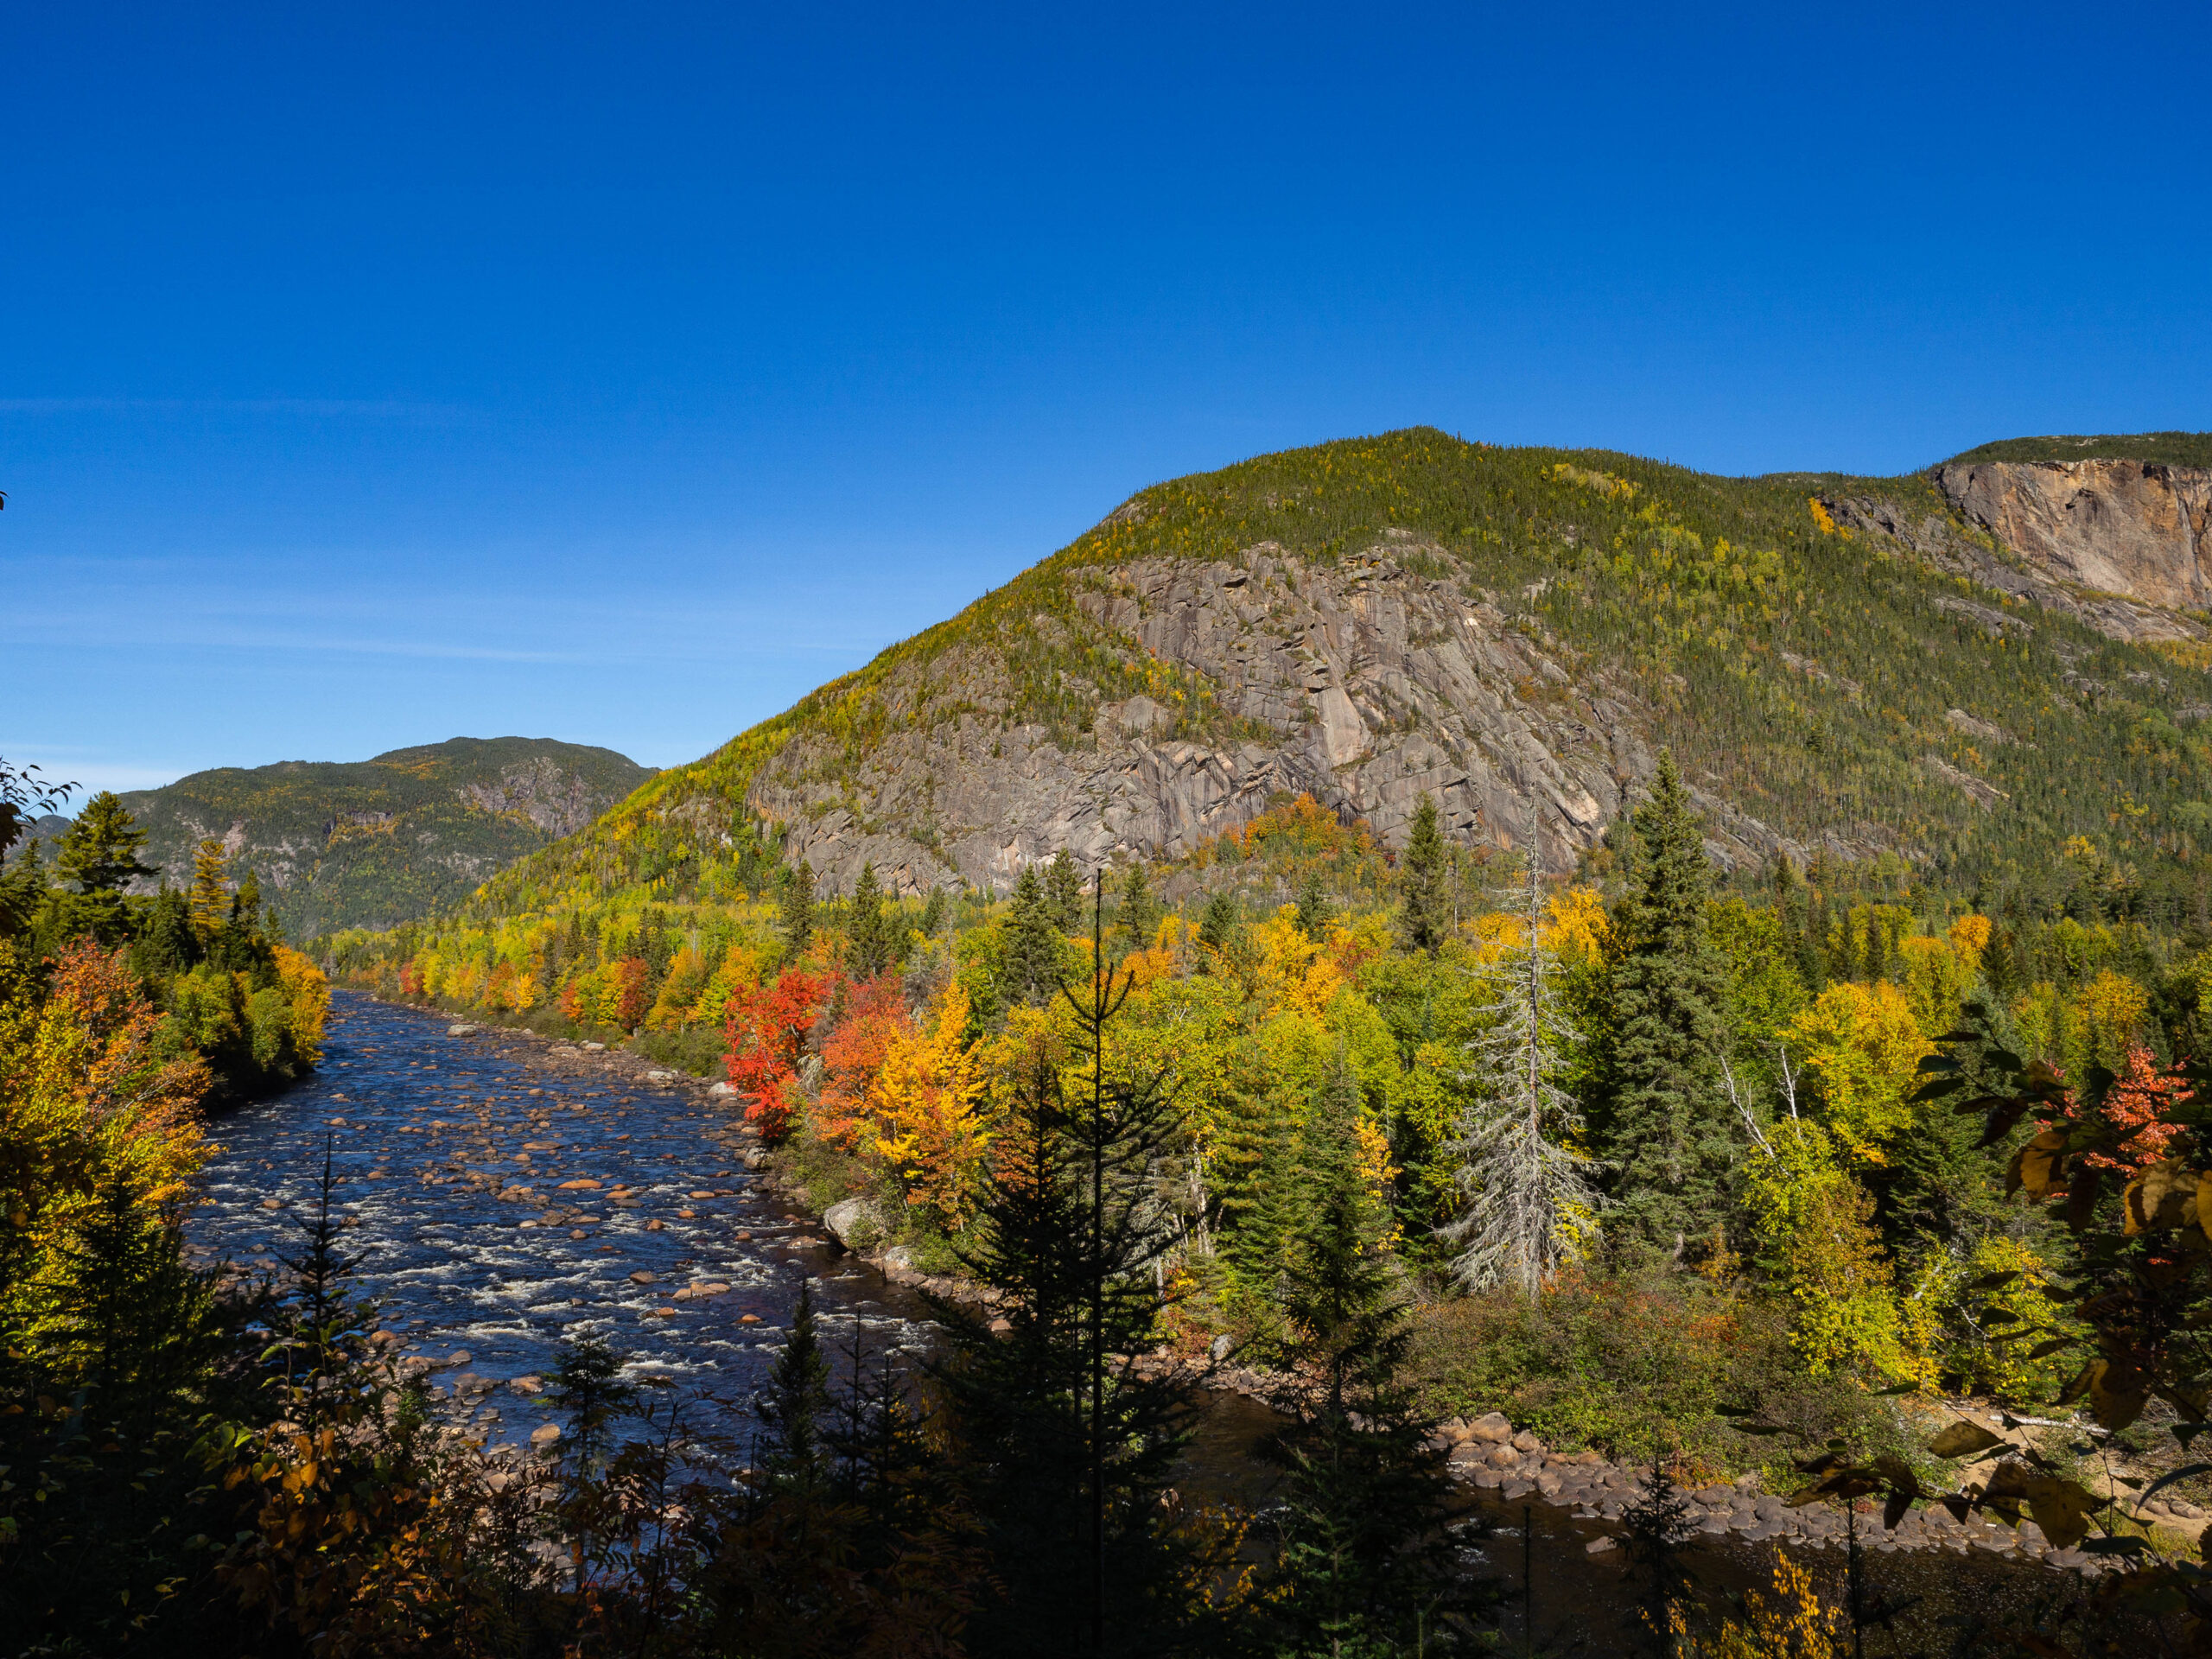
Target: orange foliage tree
[[852, 1059]]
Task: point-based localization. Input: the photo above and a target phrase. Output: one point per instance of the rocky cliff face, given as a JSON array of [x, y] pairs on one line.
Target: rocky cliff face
[[1361, 683], [2138, 529]]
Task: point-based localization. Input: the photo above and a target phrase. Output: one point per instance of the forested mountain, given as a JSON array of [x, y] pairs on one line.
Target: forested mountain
[[1846, 667], [375, 843]]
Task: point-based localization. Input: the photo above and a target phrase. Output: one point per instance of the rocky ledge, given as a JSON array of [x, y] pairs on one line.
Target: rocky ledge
[[1489, 1454]]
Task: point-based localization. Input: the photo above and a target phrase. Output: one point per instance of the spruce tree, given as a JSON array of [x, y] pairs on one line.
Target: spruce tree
[[1064, 892], [1364, 1562], [1218, 922], [1315, 912], [933, 914], [1424, 877], [1669, 1136], [798, 1400], [1032, 950], [22, 892], [99, 857], [1140, 910], [869, 950], [1068, 1451], [796, 919]]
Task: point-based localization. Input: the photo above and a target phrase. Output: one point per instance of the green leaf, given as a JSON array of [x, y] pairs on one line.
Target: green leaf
[[1937, 1063], [2111, 1546], [2004, 1059], [1994, 1280]]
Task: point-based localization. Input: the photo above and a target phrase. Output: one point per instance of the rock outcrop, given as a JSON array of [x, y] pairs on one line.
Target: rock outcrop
[[1988, 561], [2138, 529], [1361, 684]]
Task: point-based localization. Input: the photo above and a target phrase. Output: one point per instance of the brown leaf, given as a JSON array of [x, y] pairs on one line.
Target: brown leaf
[[2161, 1199], [2036, 1166], [1964, 1439], [1897, 1508]]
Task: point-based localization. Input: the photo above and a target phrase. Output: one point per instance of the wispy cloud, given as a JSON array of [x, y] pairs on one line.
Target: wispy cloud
[[339, 407]]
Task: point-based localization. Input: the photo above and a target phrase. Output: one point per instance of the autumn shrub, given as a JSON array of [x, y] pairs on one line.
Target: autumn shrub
[[1634, 1365]]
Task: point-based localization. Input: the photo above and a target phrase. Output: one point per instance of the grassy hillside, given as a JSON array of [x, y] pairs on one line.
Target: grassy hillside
[[1807, 673], [375, 843], [2172, 448]]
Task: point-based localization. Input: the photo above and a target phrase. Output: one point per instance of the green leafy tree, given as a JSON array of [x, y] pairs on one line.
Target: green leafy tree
[[1669, 1136], [98, 858], [933, 914], [22, 892], [25, 797], [1425, 879]]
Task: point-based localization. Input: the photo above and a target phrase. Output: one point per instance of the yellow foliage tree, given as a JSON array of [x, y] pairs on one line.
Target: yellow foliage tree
[[209, 896], [1814, 1223], [931, 1129], [308, 995], [1862, 1044]]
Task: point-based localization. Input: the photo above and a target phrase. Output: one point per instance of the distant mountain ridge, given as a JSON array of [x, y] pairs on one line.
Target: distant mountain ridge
[[375, 843], [1848, 667]]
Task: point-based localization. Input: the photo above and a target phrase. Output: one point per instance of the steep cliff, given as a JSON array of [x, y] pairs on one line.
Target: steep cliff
[[1507, 629], [2139, 529]]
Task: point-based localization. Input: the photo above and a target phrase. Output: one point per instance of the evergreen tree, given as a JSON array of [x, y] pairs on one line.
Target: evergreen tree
[[1656, 1527], [1031, 960], [99, 857], [22, 892], [1068, 1451], [933, 914], [1064, 892], [1140, 910], [209, 897], [1424, 876], [798, 1400], [1669, 1134], [1218, 923], [1364, 1563], [1315, 912], [868, 948], [1526, 1187], [796, 921]]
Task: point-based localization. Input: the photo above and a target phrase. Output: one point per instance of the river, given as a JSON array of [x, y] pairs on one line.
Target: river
[[690, 1265], [678, 1257]]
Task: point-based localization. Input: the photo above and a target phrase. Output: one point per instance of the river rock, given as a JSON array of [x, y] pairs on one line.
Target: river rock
[[853, 1223], [1493, 1428], [643, 1276], [723, 1091], [461, 1031], [545, 1435], [1217, 1349], [525, 1385], [1525, 1441]]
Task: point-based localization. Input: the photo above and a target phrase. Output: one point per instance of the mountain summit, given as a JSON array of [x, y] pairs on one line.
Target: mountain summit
[[1850, 667]]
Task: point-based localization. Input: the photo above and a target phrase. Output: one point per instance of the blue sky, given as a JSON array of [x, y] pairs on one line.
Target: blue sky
[[377, 375]]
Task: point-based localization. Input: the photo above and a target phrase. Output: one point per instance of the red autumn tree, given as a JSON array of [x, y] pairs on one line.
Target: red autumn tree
[[852, 1057], [766, 1027], [2140, 1104], [631, 977]]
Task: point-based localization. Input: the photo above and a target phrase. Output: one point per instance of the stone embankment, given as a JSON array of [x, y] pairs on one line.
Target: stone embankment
[[1489, 1454]]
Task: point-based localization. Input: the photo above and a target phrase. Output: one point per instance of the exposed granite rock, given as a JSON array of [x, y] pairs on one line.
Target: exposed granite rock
[[1950, 546], [2134, 528]]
